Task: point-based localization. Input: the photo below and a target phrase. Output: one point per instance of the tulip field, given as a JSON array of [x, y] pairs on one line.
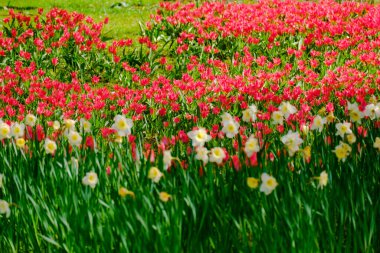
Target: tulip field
[[223, 127]]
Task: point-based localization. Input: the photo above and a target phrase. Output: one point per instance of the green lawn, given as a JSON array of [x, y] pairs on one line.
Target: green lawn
[[123, 21]]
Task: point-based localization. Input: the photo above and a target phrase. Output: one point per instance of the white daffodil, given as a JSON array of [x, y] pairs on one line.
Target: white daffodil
[[249, 115], [56, 125], [69, 126], [17, 129], [353, 106], [30, 120], [377, 110], [4, 208], [318, 123], [287, 109], [199, 137], [5, 131], [278, 118], [268, 184], [230, 128], [323, 179], [167, 159], [50, 146], [202, 154], [356, 115], [74, 138], [217, 155], [85, 125], [122, 125], [292, 141], [251, 146], [91, 179], [343, 128], [371, 111], [226, 117]]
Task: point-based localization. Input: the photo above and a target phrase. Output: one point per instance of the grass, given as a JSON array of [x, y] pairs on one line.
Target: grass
[[123, 21]]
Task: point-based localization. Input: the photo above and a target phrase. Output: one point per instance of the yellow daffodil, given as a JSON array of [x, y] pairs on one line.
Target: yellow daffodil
[[376, 144], [20, 142], [123, 192], [252, 182], [165, 197], [155, 174]]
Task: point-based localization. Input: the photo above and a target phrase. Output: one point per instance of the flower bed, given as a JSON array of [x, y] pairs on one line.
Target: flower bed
[[225, 127]]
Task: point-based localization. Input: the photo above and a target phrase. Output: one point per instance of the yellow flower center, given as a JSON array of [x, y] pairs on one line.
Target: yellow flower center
[[231, 128], [200, 136], [270, 182], [121, 124], [51, 146]]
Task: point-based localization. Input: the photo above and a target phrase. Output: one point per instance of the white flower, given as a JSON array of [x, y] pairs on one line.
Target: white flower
[[376, 144], [251, 146], [202, 154], [356, 115], [226, 117], [323, 179], [91, 179], [167, 159], [318, 123], [377, 110], [17, 130], [250, 114], [343, 128], [74, 138], [278, 118], [217, 155], [69, 126], [4, 131], [292, 141], [50, 146], [230, 128], [353, 106], [351, 138], [56, 125], [199, 137], [85, 125], [287, 109], [4, 208], [371, 111], [268, 184], [30, 120], [122, 125]]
